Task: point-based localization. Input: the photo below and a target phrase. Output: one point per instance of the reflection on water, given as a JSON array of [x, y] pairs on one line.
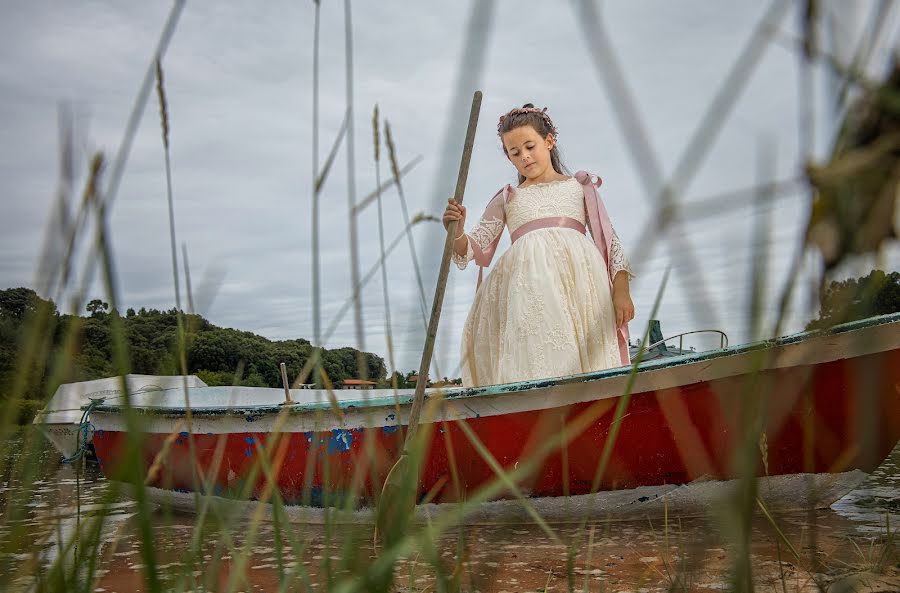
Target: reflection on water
[[877, 500], [639, 556]]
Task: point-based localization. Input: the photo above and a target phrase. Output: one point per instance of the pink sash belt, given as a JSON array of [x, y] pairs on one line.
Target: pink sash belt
[[554, 222]]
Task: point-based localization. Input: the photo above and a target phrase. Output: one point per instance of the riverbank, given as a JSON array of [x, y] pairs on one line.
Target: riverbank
[[851, 546]]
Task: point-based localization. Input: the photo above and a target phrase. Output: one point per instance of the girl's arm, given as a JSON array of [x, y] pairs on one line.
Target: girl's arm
[[621, 293], [621, 296], [481, 242], [461, 245], [617, 260], [457, 212]]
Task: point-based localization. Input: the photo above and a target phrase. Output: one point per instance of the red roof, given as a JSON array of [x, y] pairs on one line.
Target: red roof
[[358, 382]]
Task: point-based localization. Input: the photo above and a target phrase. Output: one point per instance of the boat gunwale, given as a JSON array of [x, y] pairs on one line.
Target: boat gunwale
[[455, 394]]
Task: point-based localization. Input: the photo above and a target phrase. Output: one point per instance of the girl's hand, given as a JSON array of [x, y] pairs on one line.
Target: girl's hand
[[621, 298], [456, 212], [624, 309]]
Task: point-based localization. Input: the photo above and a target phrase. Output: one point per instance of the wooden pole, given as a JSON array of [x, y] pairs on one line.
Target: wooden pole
[[439, 291], [287, 386], [398, 494]]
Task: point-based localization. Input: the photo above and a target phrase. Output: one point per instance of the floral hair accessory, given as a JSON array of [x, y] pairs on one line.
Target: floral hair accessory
[[524, 110]]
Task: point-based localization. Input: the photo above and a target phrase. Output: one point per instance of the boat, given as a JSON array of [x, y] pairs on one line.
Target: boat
[[659, 346], [829, 400], [61, 418]]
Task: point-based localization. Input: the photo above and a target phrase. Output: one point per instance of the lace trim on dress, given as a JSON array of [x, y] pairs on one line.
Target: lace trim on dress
[[617, 259], [484, 233], [544, 183], [462, 261]]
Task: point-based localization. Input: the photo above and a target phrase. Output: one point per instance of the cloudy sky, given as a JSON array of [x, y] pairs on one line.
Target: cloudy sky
[[239, 85]]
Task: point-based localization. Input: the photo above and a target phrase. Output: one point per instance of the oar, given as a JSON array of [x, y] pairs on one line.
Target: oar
[[395, 505]]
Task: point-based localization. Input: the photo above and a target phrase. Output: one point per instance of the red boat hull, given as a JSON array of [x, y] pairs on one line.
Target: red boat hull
[[826, 417]]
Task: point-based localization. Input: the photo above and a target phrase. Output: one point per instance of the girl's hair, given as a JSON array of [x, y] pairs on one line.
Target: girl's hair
[[529, 115]]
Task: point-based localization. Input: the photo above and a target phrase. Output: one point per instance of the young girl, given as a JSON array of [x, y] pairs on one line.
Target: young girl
[[557, 303]]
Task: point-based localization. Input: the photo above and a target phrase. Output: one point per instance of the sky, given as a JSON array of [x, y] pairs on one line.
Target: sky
[[238, 81]]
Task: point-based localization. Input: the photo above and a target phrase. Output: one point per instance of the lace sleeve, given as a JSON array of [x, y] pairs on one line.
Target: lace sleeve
[[484, 237], [486, 232], [617, 259], [462, 261]]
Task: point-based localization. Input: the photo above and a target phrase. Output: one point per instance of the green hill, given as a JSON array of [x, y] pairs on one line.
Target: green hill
[[65, 348]]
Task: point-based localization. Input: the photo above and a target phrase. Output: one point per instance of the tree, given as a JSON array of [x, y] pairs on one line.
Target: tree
[[399, 378], [377, 369], [220, 356], [97, 308], [19, 302], [215, 378], [858, 298]]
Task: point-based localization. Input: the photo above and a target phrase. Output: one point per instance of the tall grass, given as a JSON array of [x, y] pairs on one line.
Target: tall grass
[[331, 548]]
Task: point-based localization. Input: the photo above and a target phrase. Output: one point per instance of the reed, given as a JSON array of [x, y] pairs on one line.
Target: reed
[[388, 326], [417, 269]]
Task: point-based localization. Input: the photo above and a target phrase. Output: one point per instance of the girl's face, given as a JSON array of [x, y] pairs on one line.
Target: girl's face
[[529, 153]]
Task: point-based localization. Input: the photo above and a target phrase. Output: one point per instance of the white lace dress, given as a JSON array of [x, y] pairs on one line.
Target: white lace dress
[[545, 309]]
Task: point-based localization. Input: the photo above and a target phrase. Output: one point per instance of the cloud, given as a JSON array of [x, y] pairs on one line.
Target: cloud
[[240, 102]]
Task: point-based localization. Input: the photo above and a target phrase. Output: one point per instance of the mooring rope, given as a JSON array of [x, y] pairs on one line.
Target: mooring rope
[[85, 431], [108, 394]]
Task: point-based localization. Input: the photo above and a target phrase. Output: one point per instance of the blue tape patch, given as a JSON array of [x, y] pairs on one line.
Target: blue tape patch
[[340, 440]]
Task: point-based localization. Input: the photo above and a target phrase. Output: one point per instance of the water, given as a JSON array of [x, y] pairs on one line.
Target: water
[[823, 546]]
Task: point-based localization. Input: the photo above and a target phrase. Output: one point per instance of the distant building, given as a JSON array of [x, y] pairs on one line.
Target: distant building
[[358, 384]]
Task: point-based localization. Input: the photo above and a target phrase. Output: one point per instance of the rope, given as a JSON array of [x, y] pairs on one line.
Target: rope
[[85, 431], [106, 396], [86, 428]]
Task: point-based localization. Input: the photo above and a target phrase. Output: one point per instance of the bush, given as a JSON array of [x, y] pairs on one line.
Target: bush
[[215, 378], [27, 408]]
